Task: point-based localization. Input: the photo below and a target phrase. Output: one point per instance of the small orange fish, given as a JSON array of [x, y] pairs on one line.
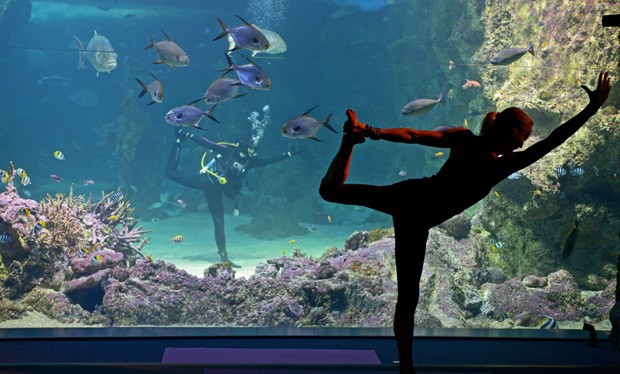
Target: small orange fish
[[439, 154], [329, 218], [150, 258], [469, 84]]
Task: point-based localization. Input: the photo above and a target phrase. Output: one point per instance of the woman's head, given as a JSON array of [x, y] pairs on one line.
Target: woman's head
[[506, 130]]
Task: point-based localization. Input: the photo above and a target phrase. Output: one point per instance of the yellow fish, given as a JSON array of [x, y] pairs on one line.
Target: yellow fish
[[438, 154], [329, 218], [25, 180], [113, 218], [283, 252], [465, 123], [39, 226], [59, 155], [5, 176], [496, 193], [21, 172], [292, 241], [178, 239], [150, 258]]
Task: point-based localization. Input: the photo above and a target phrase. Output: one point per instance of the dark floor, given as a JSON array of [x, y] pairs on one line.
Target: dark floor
[[133, 350]]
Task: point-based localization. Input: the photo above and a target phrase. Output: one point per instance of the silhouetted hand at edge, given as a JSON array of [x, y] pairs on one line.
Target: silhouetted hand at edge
[[599, 96]]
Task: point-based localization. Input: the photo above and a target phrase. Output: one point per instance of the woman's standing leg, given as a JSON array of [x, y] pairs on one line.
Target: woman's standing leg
[[410, 248]]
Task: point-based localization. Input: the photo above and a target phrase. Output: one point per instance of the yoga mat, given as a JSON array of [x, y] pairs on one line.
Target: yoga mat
[[269, 356]]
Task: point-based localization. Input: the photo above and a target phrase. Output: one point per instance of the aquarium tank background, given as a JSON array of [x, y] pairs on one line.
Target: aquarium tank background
[[95, 232]]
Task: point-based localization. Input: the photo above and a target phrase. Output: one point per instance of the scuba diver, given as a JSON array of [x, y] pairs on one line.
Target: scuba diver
[[222, 175]]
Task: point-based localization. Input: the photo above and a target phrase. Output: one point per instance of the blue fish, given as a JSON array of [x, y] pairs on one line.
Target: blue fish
[[5, 238], [246, 36], [223, 89], [250, 75], [116, 196], [187, 115], [576, 172]]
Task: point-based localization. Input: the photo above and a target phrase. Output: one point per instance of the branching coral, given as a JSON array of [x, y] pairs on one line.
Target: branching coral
[[111, 225], [75, 223], [64, 228]]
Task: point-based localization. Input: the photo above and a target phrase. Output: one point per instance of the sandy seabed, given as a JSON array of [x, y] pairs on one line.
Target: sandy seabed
[[198, 251]]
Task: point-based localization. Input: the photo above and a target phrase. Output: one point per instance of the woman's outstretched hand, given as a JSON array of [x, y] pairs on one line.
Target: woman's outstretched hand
[[598, 96]]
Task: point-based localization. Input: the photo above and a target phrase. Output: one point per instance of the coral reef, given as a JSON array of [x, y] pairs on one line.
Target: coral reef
[[61, 245], [350, 287]]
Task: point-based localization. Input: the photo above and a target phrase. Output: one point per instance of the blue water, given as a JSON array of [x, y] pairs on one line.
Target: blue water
[[80, 118], [37, 119]]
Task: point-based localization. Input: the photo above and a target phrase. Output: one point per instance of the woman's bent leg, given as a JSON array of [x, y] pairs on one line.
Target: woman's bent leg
[[334, 189]]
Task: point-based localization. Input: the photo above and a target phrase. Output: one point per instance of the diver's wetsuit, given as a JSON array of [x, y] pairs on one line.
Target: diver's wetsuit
[[233, 165]]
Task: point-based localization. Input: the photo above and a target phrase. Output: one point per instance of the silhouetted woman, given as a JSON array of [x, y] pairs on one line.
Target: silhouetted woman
[[475, 165]]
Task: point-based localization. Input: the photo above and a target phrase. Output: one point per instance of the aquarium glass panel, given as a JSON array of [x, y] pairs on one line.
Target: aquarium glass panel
[[192, 163]]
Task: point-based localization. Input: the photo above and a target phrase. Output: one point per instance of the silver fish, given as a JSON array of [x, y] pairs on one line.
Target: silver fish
[[250, 75], [99, 52], [169, 52], [187, 115], [155, 88], [510, 55], [245, 36], [305, 126], [421, 106], [223, 89]]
